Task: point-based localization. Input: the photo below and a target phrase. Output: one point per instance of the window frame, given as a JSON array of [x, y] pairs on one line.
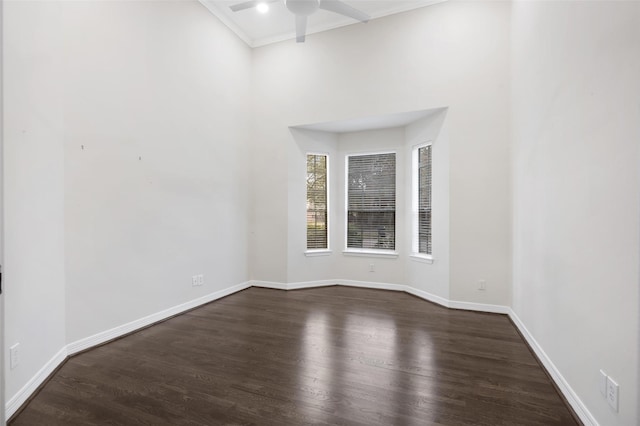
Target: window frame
[[415, 200], [320, 251], [350, 251]]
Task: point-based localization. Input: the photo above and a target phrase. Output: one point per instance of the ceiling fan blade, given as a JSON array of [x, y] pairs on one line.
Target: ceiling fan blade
[[242, 6], [248, 4], [301, 28], [342, 8]]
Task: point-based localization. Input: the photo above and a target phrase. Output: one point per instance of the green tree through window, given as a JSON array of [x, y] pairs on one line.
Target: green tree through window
[[317, 211]]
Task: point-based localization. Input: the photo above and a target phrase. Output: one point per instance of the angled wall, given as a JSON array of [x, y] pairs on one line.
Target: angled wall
[[33, 271], [125, 170], [144, 143], [453, 54], [431, 276], [155, 159], [576, 192]]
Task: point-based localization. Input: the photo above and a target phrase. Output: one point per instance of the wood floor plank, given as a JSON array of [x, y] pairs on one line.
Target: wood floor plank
[[324, 356]]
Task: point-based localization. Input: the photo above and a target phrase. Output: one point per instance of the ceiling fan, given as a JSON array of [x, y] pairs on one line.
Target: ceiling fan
[[303, 8]]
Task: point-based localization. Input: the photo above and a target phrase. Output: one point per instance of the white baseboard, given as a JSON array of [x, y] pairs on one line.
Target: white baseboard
[[269, 284], [578, 406], [326, 283], [581, 410], [27, 390], [371, 284], [310, 284], [427, 296], [479, 307], [469, 306], [105, 336]]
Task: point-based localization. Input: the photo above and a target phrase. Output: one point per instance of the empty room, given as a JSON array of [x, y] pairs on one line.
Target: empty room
[[320, 212]]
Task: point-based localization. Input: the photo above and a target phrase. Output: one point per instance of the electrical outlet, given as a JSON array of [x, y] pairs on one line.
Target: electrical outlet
[[602, 383], [372, 267], [14, 355], [612, 393], [194, 280], [482, 285], [201, 279]]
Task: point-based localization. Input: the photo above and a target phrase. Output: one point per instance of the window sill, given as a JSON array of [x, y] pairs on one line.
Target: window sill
[[421, 258], [315, 253], [371, 253]]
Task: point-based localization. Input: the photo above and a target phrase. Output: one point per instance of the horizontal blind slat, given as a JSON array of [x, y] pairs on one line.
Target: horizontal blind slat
[[424, 200], [317, 215], [371, 201]]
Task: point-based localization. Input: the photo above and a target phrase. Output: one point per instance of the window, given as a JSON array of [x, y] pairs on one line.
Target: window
[[422, 241], [371, 201], [317, 202]]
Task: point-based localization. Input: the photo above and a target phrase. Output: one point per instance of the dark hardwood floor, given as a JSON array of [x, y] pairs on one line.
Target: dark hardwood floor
[[326, 356]]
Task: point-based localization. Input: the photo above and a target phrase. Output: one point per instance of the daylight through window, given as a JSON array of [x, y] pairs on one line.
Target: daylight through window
[[422, 205], [317, 206], [371, 201]]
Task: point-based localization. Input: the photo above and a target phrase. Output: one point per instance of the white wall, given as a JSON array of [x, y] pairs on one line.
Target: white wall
[[128, 127], [159, 192], [402, 269], [453, 54], [576, 192], [2, 374], [302, 268], [125, 166], [356, 267], [33, 187], [433, 278]]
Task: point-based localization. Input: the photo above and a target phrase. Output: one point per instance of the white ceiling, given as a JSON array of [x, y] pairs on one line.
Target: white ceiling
[[371, 123], [258, 29]]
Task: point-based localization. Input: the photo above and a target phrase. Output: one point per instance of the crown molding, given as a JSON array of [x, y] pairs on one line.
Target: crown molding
[[212, 7], [216, 10]]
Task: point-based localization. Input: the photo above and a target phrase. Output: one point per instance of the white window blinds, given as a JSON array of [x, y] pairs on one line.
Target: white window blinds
[[422, 221], [317, 207], [371, 201]]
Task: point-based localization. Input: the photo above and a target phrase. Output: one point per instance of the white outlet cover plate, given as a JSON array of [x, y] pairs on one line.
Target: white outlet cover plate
[[14, 356], [602, 383], [612, 393]]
